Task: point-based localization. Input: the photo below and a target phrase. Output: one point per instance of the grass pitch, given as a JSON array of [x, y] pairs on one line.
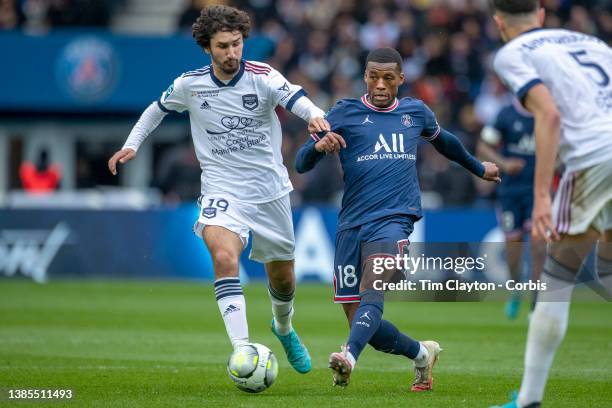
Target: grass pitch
[[163, 344]]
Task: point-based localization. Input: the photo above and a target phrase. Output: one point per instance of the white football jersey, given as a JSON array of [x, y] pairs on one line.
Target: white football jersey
[[235, 130], [577, 70]]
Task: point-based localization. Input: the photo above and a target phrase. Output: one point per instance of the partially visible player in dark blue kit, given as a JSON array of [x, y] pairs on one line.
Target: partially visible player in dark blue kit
[[377, 137], [510, 144]]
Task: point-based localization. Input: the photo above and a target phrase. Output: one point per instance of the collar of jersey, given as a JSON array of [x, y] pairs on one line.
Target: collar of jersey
[[394, 105], [233, 81], [531, 30]]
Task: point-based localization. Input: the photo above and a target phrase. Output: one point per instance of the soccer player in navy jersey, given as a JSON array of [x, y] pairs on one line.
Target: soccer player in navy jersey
[[510, 143], [376, 137]]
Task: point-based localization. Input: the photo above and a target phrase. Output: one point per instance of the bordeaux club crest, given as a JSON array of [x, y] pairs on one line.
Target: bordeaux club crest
[[250, 101]]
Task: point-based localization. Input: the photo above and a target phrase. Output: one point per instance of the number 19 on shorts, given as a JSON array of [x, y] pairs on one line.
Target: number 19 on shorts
[[346, 276]]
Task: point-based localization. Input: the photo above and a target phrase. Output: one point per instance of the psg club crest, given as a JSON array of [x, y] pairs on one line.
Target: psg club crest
[[406, 120], [87, 69], [250, 101]]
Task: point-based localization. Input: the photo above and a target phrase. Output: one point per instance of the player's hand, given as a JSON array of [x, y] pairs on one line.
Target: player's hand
[[491, 172], [513, 166], [330, 143], [542, 228], [317, 125], [122, 156]]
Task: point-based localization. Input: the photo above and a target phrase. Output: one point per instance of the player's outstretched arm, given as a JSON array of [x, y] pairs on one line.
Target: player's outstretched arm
[[547, 128], [451, 147], [149, 120]]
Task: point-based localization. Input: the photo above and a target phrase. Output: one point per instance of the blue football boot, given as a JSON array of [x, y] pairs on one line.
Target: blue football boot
[[297, 353], [512, 307], [511, 404], [514, 404]]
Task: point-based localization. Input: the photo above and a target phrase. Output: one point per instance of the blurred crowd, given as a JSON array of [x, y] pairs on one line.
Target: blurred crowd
[[41, 15], [447, 46]]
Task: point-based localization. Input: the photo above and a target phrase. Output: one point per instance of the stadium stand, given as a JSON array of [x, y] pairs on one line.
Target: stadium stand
[[447, 48]]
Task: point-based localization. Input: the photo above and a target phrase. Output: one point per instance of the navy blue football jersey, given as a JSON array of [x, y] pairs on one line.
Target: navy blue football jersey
[[379, 162], [514, 135]]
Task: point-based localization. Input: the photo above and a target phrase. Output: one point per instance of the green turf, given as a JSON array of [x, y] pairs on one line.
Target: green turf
[[160, 344]]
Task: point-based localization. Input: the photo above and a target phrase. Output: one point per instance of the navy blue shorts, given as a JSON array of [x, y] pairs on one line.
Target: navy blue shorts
[[515, 215], [348, 259]]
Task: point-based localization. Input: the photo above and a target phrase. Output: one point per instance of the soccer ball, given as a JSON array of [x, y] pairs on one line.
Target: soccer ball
[[252, 367]]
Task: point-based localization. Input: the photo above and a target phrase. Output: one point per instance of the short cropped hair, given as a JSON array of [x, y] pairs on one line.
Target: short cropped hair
[[217, 18], [385, 55], [515, 6]]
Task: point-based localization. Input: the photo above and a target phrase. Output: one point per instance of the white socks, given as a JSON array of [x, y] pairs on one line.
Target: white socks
[[546, 331], [421, 359], [351, 359], [282, 310], [232, 306], [233, 309]]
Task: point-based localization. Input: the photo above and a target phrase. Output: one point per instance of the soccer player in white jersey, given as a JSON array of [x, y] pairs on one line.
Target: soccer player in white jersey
[[565, 79], [245, 186]]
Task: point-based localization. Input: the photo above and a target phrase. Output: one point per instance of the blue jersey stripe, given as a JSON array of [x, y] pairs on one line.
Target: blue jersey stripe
[[521, 93], [294, 99], [163, 108]]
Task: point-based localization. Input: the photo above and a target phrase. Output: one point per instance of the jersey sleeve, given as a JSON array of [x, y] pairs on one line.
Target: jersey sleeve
[[335, 118], [281, 91], [431, 128], [173, 99], [516, 71]]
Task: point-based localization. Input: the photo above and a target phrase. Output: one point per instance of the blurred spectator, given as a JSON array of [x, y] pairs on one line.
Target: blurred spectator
[[315, 62], [40, 177], [79, 13], [379, 31], [493, 95], [35, 12], [11, 16], [41, 15]]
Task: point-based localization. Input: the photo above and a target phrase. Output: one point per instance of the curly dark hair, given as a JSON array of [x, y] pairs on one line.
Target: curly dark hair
[[219, 18]]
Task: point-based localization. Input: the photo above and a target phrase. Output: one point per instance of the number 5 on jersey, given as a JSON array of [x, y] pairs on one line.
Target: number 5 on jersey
[[581, 58]]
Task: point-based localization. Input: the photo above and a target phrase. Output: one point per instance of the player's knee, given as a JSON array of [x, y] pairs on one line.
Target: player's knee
[[559, 271], [226, 263]]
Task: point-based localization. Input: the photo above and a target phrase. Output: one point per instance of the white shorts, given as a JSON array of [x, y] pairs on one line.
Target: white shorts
[[271, 224], [584, 199]]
